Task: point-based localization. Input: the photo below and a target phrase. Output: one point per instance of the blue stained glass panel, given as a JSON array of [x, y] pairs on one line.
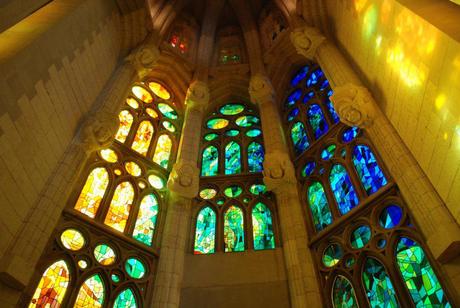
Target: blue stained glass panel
[[319, 207], [390, 216], [308, 97], [324, 84], [350, 133], [255, 157], [314, 77], [343, 189], [210, 161], [379, 289], [332, 113], [308, 168], [232, 158], [299, 138], [293, 114], [293, 97], [328, 152], [301, 74], [317, 121], [369, 172]]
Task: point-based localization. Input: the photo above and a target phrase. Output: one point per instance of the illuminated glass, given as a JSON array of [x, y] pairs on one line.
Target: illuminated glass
[[167, 111], [262, 227], [350, 133], [233, 191], [232, 158], [343, 294], [232, 133], [328, 152], [254, 133], [126, 120], [91, 293], [156, 181], [233, 229], [143, 138], [205, 234], [293, 114], [379, 289], [109, 155], [308, 168], [104, 254], [299, 138], [92, 193], [152, 113], [125, 299], [72, 239], [257, 189], [343, 189], [332, 113], [52, 286], [368, 169], [317, 121], [314, 77], [146, 220], [210, 161], [208, 193], [301, 74], [293, 97], [247, 121], [133, 168], [169, 126], [211, 136], [390, 216], [332, 255], [163, 151], [120, 206], [217, 123], [255, 157], [231, 109], [159, 90], [360, 237], [142, 94], [319, 207], [135, 268], [132, 102]]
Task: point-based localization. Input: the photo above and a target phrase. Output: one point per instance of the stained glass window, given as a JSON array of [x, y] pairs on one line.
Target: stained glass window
[[210, 161], [125, 299], [234, 229], [344, 192], [255, 157], [262, 227], [143, 138], [379, 289], [319, 207], [120, 206], [232, 158], [369, 172], [317, 120], [72, 239], [299, 138], [126, 120], [343, 294], [419, 276], [146, 220], [52, 286], [205, 233], [91, 293], [104, 254], [92, 193], [163, 151]]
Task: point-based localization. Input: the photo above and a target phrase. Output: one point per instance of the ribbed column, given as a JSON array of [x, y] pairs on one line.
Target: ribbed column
[[279, 176], [183, 185]]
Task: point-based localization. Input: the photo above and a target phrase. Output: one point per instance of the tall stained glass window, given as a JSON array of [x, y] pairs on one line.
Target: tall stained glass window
[[107, 235], [344, 192], [262, 227], [255, 157], [205, 233], [210, 161], [343, 293], [234, 229], [380, 290], [370, 173], [322, 216]]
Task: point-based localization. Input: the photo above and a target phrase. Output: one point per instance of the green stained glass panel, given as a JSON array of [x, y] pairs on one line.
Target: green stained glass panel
[[211, 137], [232, 133], [217, 123], [320, 211], [135, 268], [247, 121], [169, 126], [360, 237], [232, 158], [419, 276], [205, 233], [146, 220], [253, 133], [91, 293], [343, 294], [332, 255], [299, 138], [328, 152], [233, 191], [104, 254], [167, 111], [231, 109], [234, 229], [125, 299], [262, 227], [210, 161], [379, 289], [257, 189], [115, 278], [255, 157]]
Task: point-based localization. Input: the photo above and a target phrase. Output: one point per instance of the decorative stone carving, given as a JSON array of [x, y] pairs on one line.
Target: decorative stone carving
[[184, 179], [355, 105], [261, 89], [144, 58], [278, 171], [197, 95], [98, 131], [306, 41]]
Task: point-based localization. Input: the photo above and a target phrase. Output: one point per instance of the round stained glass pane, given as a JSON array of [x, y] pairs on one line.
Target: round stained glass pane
[[167, 111], [115, 278], [169, 126], [151, 112], [350, 134], [132, 102], [293, 114], [231, 109], [390, 217], [247, 121], [109, 155], [217, 123], [350, 262], [72, 239], [232, 133], [208, 193], [332, 255], [135, 268], [253, 133], [133, 168], [210, 137], [82, 264], [142, 94], [257, 189], [308, 169], [233, 191], [159, 90], [381, 243], [104, 254], [328, 152], [156, 181], [220, 201], [360, 237]]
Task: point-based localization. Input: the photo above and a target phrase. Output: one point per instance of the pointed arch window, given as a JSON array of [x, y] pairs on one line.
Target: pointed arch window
[[163, 151], [143, 137], [232, 158], [210, 161], [343, 293], [344, 192], [234, 229], [205, 232], [380, 290], [319, 207], [255, 157], [146, 220], [91, 293], [262, 227], [120, 206], [126, 121], [125, 299], [299, 138], [93, 191], [52, 286], [369, 171]]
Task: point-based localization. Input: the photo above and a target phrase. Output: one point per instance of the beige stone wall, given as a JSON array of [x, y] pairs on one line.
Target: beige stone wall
[[12, 11], [413, 71], [53, 66]]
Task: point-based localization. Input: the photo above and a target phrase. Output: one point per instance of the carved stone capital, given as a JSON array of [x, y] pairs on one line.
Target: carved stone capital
[[98, 131], [197, 95], [278, 171], [143, 58], [355, 105], [184, 179], [261, 89], [306, 41]]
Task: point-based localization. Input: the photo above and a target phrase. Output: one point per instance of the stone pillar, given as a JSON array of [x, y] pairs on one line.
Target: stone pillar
[[279, 176], [96, 132], [183, 185]]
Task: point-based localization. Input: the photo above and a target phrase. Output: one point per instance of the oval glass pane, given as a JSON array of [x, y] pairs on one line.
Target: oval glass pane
[[142, 94], [247, 121], [210, 137], [360, 237], [132, 102], [133, 168], [156, 181], [254, 133], [233, 191], [257, 189], [152, 113], [217, 123], [135, 268], [390, 217], [104, 254], [293, 97], [332, 255], [350, 134], [159, 90], [293, 114], [169, 126], [308, 168], [72, 239], [167, 111], [109, 155], [232, 133], [231, 109], [301, 74], [208, 193]]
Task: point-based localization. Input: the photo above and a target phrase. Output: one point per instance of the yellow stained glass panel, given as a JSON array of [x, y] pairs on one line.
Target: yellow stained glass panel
[[143, 137], [126, 120], [151, 112], [109, 155], [163, 151], [119, 209], [52, 286], [159, 90], [132, 102], [133, 168], [91, 293], [142, 94], [92, 193], [72, 239]]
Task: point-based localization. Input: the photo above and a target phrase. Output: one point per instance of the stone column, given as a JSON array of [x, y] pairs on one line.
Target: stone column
[[279, 176], [96, 132], [183, 185]]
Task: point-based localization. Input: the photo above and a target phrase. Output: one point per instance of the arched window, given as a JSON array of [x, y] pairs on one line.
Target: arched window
[[299, 137], [205, 233], [319, 207], [379, 289], [343, 294], [210, 161], [255, 157], [234, 229], [343, 189], [370, 174], [108, 232], [262, 227], [232, 158]]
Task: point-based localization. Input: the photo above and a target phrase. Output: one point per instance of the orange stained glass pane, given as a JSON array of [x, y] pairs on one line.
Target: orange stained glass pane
[[52, 286], [163, 151], [159, 90], [126, 120], [142, 94], [92, 193], [119, 209], [91, 293], [143, 137]]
